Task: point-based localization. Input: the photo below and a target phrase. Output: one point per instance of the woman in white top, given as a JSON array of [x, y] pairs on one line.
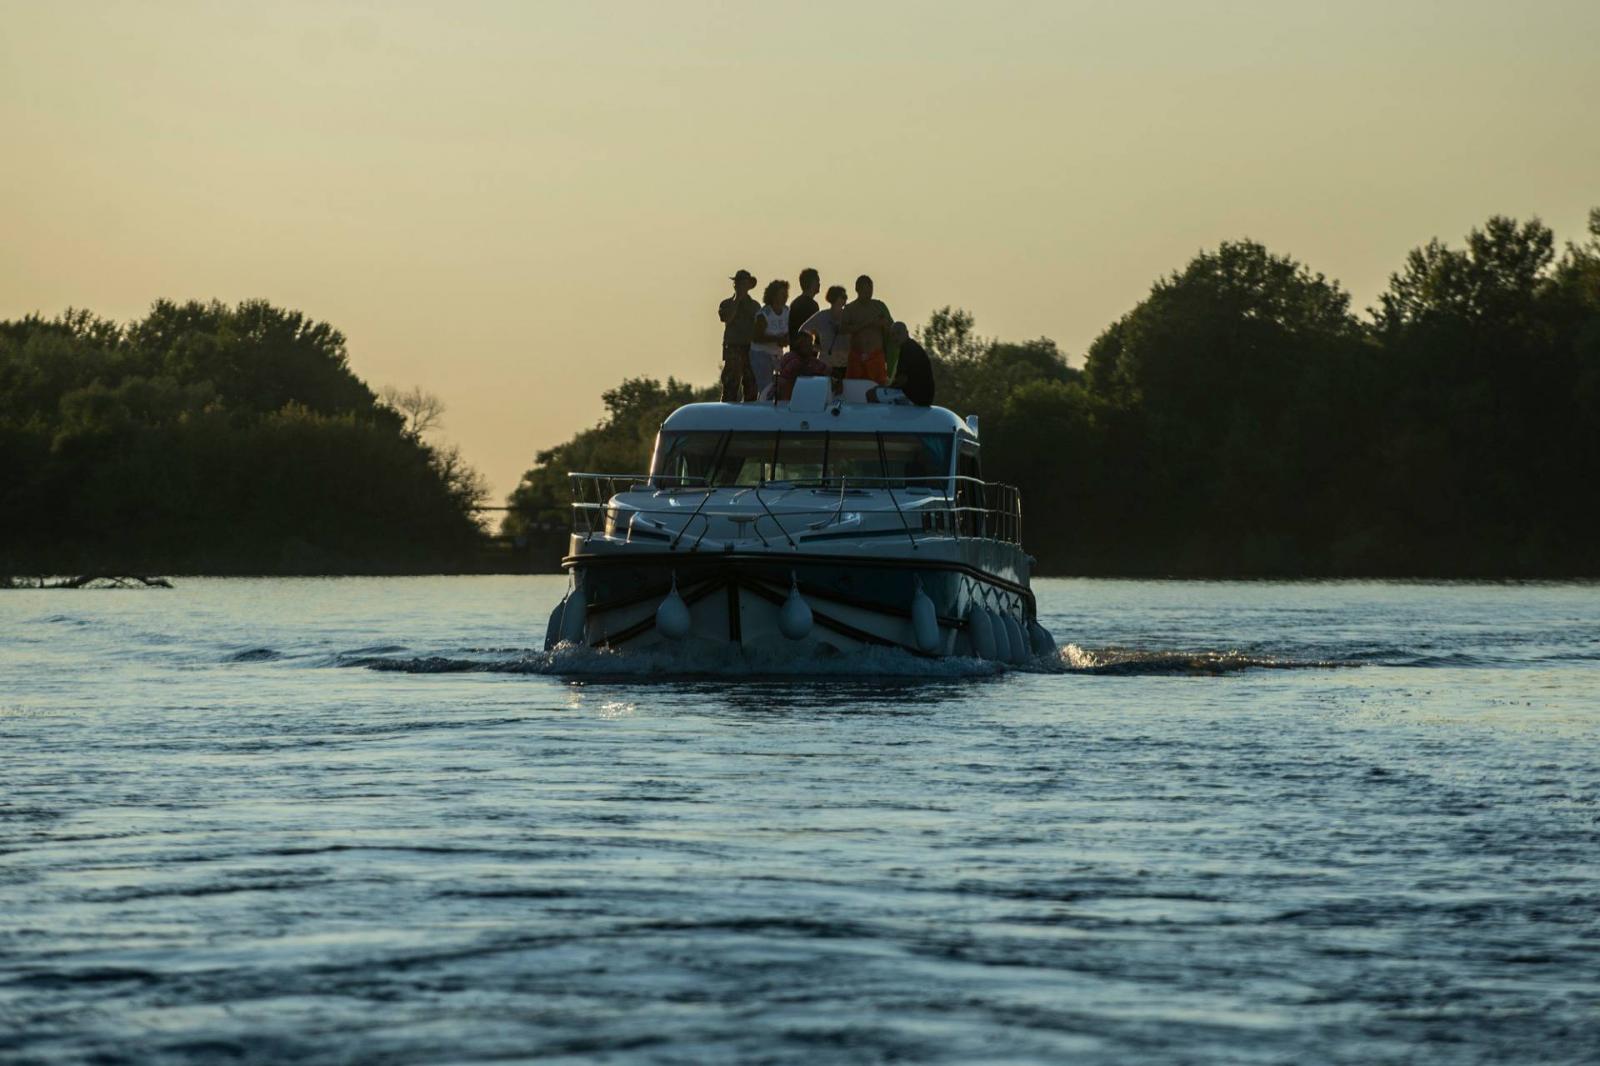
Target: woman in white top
[[833, 344], [772, 336]]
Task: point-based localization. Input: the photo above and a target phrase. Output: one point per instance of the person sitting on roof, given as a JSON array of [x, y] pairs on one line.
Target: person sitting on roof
[[801, 362], [868, 323], [914, 374]]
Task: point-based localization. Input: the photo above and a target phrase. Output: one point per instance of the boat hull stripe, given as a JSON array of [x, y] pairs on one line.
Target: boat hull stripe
[[776, 559]]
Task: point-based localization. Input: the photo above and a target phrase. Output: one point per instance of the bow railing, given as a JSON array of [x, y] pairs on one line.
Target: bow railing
[[955, 506]]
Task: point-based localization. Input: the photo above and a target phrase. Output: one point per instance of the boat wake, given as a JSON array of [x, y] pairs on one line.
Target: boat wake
[[722, 662], [1143, 662], [687, 662]]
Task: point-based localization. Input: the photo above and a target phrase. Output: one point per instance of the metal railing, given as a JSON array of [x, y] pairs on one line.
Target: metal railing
[[954, 506]]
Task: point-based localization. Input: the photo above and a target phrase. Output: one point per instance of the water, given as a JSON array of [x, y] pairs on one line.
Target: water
[[331, 821]]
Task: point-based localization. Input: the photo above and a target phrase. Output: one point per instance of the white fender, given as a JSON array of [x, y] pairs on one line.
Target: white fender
[[574, 614], [794, 619], [1019, 646], [672, 617], [552, 629], [1002, 639], [981, 629], [925, 621], [1043, 643]]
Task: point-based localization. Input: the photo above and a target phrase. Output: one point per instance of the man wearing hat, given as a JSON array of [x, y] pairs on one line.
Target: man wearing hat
[[738, 315]]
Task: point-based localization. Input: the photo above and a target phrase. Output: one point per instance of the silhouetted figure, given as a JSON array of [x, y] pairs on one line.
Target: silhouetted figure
[[772, 336], [914, 373], [868, 323], [738, 315], [801, 362], [827, 326], [805, 305]]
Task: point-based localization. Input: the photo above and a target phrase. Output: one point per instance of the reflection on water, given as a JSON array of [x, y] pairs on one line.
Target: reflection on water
[[364, 819]]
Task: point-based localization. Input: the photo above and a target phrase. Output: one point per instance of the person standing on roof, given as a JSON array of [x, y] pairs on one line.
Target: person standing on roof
[[869, 325], [772, 336], [738, 315], [833, 343], [805, 305]]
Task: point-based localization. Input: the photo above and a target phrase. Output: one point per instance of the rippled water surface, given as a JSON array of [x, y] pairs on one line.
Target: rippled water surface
[[364, 820]]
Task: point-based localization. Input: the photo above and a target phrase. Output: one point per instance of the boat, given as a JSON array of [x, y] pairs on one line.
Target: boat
[[824, 524]]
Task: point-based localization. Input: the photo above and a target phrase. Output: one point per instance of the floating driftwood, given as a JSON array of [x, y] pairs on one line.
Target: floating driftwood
[[86, 581]]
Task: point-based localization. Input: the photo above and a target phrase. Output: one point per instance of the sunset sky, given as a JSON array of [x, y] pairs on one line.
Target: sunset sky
[[515, 205]]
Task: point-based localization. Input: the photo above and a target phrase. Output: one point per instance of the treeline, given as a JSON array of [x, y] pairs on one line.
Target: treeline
[[213, 439], [1243, 420], [539, 509]]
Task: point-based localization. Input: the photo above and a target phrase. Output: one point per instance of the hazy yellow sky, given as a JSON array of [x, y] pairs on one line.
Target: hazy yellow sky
[[517, 204]]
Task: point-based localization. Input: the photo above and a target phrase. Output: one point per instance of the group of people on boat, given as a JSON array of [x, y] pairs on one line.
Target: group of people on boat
[[766, 346]]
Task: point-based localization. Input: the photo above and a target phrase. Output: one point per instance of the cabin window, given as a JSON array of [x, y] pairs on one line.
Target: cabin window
[[916, 456], [855, 456], [800, 457], [686, 458], [748, 458], [971, 519], [967, 464]]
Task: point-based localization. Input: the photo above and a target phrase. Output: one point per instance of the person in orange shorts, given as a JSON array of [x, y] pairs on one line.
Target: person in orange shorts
[[869, 365], [870, 326]]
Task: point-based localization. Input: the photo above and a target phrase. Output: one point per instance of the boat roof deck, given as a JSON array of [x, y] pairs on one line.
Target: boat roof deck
[[845, 417]]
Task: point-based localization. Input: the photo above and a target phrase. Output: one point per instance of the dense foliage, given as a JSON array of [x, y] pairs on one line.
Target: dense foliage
[[538, 509], [213, 439], [1243, 420]]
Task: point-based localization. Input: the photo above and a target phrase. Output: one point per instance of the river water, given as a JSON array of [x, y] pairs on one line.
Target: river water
[[364, 820]]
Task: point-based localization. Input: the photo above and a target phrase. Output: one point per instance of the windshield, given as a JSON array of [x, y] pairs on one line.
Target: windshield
[[739, 458]]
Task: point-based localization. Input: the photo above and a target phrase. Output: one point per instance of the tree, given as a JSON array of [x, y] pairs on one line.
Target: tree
[[464, 484], [1490, 393], [1205, 381], [619, 444], [1495, 279], [422, 411], [214, 439], [950, 337], [258, 357]]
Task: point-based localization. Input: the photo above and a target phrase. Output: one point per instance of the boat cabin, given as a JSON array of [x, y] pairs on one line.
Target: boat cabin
[[864, 445]]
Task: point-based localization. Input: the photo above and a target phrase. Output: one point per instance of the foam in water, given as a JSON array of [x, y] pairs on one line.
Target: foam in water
[[708, 660], [694, 661], [1137, 661]]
